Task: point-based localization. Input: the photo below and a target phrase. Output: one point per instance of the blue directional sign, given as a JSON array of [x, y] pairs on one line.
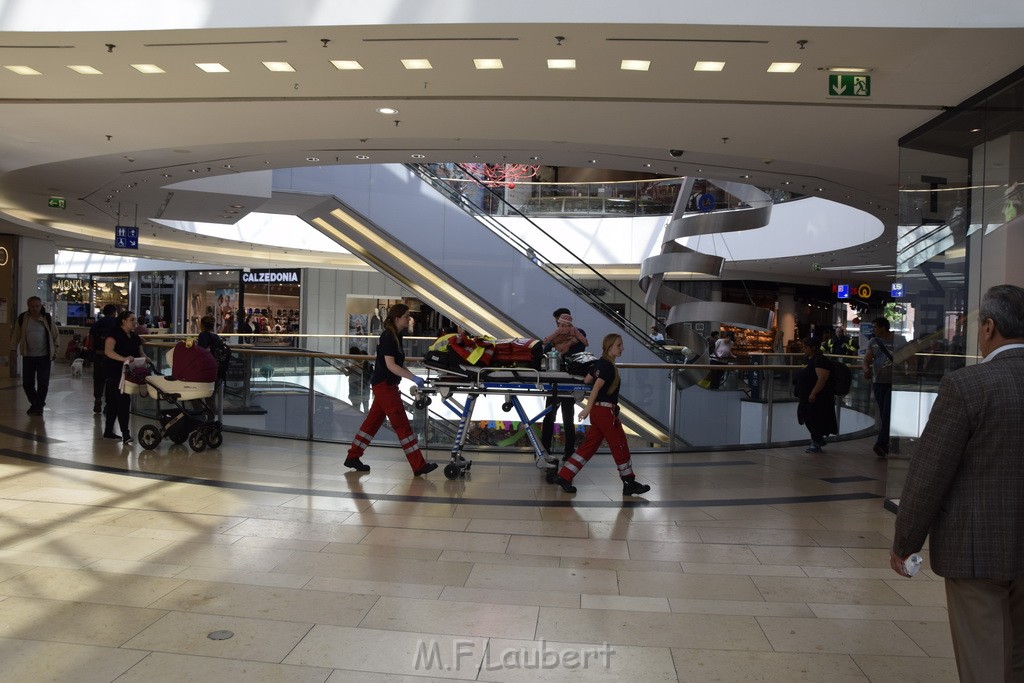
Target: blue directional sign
[[126, 237], [843, 291], [896, 290]]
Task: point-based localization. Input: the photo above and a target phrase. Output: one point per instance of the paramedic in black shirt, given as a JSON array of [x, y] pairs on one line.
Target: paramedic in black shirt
[[387, 400], [567, 404]]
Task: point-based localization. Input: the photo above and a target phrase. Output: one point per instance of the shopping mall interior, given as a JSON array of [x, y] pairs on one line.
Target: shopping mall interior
[[292, 170]]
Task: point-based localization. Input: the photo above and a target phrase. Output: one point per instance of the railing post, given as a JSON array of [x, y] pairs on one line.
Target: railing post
[[674, 391], [770, 409], [311, 402]]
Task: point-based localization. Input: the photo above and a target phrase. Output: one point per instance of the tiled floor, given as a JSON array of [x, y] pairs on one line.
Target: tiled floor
[[119, 564]]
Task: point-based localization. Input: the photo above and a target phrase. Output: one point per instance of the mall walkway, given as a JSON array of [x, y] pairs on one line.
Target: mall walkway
[[267, 561]]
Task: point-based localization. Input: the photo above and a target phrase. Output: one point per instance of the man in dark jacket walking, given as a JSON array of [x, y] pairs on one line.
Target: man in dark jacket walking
[[965, 491]]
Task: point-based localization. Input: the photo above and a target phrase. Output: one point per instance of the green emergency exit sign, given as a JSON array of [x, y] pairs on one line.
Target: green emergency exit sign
[[849, 85], [58, 203]]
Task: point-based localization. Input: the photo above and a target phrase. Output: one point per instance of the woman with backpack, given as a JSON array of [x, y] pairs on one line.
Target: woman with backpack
[[817, 407]]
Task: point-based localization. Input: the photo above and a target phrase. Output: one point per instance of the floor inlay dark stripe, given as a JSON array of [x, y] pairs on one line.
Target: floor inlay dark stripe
[[28, 436], [846, 480], [449, 500]]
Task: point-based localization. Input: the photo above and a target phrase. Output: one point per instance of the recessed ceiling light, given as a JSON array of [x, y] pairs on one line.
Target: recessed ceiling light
[[744, 176], [148, 68], [238, 206], [279, 66], [417, 64], [418, 156], [647, 165], [85, 69], [635, 64], [561, 63], [787, 182], [362, 157], [227, 165], [534, 158], [709, 66], [387, 110], [975, 130], [166, 175], [783, 67], [346, 64], [213, 67], [23, 70], [820, 189], [312, 158], [592, 161], [849, 69], [488, 64]]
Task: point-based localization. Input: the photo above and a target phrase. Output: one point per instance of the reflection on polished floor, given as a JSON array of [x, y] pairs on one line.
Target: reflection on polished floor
[[266, 560]]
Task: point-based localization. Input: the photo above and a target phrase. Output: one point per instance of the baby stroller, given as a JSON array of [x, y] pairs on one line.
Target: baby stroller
[[192, 381]]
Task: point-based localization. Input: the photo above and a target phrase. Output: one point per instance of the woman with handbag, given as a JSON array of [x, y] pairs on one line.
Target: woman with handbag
[[124, 348]]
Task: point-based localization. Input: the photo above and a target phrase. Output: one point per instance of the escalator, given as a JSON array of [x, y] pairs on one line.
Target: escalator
[[439, 245]]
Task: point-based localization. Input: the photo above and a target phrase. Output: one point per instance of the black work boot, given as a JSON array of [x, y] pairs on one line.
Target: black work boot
[[631, 487]]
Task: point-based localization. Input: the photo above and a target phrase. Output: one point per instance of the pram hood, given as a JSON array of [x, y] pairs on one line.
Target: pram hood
[[192, 363]]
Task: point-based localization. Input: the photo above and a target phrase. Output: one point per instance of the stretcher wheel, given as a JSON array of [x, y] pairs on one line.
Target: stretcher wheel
[[452, 471], [506, 407], [215, 438], [197, 441], [419, 404], [149, 437], [179, 438]]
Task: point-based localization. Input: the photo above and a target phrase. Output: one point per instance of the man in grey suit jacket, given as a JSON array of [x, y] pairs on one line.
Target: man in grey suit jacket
[[965, 491]]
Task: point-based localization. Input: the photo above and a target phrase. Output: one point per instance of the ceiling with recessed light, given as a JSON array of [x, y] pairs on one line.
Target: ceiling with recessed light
[[113, 120]]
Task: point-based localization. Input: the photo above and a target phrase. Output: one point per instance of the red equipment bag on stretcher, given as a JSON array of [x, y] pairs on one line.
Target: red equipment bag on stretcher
[[478, 351], [517, 353], [450, 351]]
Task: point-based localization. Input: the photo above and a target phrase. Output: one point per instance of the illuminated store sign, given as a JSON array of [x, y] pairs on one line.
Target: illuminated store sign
[[271, 276]]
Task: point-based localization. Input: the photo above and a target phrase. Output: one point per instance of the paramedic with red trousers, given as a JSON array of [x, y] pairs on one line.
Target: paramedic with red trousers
[[387, 401], [603, 409]]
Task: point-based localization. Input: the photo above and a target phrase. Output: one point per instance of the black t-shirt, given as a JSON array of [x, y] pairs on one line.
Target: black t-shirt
[[125, 344], [387, 345], [808, 378], [605, 369], [100, 330]]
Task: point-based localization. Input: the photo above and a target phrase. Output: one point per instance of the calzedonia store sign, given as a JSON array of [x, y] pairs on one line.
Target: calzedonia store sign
[[271, 277]]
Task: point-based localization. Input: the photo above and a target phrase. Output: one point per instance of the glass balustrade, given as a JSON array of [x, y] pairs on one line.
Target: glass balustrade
[[324, 397]]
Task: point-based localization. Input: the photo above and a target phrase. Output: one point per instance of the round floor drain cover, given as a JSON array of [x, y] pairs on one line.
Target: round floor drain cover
[[220, 635]]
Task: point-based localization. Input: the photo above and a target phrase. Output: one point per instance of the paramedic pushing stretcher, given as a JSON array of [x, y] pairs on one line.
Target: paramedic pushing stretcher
[[603, 409], [567, 338], [387, 401]]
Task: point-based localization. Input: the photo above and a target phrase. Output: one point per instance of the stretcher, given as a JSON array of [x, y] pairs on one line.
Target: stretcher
[[510, 383]]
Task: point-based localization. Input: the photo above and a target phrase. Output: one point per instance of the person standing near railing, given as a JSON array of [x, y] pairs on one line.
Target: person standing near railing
[[387, 400], [566, 339]]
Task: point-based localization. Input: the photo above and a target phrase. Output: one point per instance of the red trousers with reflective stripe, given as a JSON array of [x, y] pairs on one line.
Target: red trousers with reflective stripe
[[387, 403], [604, 425]]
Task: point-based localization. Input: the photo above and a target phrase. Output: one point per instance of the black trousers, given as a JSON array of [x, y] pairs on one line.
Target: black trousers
[[547, 427], [35, 379], [99, 377], [118, 407]]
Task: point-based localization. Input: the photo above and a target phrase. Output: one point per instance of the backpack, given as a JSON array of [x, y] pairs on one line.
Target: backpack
[[840, 377], [221, 353]]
